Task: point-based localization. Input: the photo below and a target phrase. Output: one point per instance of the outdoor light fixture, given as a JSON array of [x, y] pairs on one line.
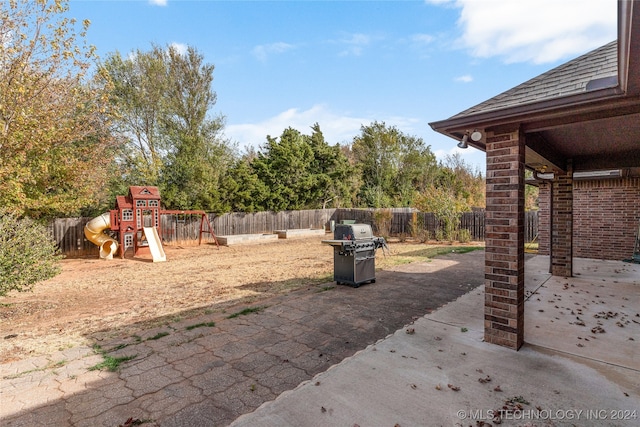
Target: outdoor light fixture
[[463, 143], [476, 135]]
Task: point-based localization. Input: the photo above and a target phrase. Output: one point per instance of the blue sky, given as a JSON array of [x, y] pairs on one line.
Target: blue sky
[[344, 64]]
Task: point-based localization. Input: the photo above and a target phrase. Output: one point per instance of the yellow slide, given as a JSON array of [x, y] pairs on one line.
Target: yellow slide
[[155, 244], [94, 231]]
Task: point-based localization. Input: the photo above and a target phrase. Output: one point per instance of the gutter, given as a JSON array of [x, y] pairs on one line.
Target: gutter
[[551, 108]]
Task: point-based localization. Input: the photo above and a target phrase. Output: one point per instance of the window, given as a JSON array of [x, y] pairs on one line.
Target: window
[[127, 215], [128, 241], [141, 203]]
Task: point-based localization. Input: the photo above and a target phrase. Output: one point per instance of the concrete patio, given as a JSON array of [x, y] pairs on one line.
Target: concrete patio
[[580, 364]]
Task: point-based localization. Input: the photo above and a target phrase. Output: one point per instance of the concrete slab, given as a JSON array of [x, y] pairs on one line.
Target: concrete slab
[[438, 371], [439, 375], [595, 314], [303, 232], [239, 239]]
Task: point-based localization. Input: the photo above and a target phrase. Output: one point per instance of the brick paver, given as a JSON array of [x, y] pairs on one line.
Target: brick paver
[[208, 376]]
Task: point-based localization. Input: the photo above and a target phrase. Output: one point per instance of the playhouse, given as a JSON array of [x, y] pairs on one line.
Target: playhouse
[[136, 217], [137, 221]]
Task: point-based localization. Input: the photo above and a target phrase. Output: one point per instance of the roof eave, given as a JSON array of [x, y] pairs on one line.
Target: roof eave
[[455, 127]]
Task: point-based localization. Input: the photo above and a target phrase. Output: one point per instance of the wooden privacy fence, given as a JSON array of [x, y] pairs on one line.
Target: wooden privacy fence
[[184, 229], [267, 222]]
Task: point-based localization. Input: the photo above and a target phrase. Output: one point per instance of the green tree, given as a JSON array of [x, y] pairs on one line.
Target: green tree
[[163, 99], [198, 155], [417, 171], [138, 87], [445, 205], [456, 189], [283, 165], [392, 166], [332, 172], [466, 184], [302, 172], [54, 143], [531, 193], [242, 190], [27, 254], [376, 153]]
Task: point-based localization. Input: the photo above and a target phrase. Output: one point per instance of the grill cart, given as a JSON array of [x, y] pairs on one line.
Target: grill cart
[[354, 254]]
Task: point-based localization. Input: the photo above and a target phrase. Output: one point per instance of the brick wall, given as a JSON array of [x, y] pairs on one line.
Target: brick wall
[[605, 218], [606, 215]]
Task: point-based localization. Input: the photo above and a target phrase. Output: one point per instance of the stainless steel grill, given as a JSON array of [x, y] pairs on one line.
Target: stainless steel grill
[[354, 254]]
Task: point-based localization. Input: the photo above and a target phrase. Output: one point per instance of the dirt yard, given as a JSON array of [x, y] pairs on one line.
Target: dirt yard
[[93, 298]]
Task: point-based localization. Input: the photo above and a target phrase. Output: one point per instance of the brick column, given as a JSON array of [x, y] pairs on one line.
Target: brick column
[[562, 224], [504, 240], [544, 215]]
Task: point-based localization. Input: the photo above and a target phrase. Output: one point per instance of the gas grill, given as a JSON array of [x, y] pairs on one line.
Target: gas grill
[[354, 254]]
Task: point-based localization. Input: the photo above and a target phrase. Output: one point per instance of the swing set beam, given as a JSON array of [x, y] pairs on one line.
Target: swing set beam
[[203, 219]]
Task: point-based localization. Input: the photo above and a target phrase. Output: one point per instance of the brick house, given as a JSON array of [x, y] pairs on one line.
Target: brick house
[[606, 214], [575, 127]]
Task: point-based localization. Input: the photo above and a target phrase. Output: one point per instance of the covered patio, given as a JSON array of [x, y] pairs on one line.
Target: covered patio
[[440, 371], [582, 117]]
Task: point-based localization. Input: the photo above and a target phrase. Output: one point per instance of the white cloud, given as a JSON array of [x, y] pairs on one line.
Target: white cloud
[[354, 44], [537, 31], [422, 38], [336, 127], [464, 79], [262, 52], [180, 47], [341, 128], [439, 2], [158, 2]]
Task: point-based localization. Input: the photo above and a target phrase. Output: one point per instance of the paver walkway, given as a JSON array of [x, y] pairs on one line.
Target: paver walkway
[[210, 375]]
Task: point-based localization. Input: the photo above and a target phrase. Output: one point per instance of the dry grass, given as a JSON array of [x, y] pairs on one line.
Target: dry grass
[[93, 297]]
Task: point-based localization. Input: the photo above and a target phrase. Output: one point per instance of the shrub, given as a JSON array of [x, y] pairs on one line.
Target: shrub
[[417, 228], [464, 235], [27, 254], [382, 221], [416, 225], [446, 207], [424, 236]]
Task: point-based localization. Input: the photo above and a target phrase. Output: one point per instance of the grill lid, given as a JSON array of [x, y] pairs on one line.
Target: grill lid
[[352, 232]]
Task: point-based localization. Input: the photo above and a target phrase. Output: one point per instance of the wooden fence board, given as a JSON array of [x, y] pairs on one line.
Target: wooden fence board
[[68, 233]]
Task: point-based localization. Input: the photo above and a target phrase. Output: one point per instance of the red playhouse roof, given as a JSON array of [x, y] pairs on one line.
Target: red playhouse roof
[[123, 202], [140, 192]]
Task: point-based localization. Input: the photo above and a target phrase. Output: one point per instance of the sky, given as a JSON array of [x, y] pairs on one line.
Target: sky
[[345, 64]]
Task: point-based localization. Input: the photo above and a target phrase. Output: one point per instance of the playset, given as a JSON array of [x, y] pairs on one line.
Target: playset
[[136, 220]]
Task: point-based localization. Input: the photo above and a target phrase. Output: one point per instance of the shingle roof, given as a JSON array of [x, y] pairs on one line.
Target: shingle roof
[[594, 70]]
